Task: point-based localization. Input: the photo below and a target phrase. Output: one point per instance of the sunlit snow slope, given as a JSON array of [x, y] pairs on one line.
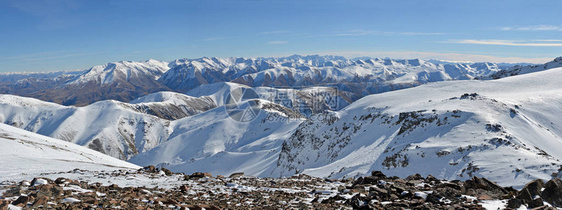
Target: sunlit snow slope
[[507, 130], [25, 155]]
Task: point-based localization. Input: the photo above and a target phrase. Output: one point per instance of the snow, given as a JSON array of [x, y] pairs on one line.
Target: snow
[[525, 106], [12, 207], [122, 70], [109, 126], [333, 144], [40, 182], [27, 155], [421, 195], [70, 200], [214, 142]]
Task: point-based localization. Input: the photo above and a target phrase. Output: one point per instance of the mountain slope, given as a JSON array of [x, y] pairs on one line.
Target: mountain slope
[[29, 154], [171, 105], [525, 69], [214, 142], [306, 101], [505, 130], [121, 81], [111, 127], [125, 80], [358, 76]]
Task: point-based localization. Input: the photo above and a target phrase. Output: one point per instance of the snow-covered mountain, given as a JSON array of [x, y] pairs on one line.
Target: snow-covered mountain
[[212, 141], [111, 127], [172, 105], [525, 69], [358, 76], [506, 130], [306, 101], [312, 121], [121, 81], [123, 130], [27, 154], [125, 80]]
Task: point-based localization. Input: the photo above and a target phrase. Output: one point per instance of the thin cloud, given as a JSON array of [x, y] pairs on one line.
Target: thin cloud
[[272, 32], [533, 28], [214, 39], [384, 33], [277, 42], [547, 40], [419, 33], [354, 33], [459, 57], [518, 43]]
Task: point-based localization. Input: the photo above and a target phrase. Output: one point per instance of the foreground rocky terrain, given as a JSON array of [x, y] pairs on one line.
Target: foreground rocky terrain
[[153, 188]]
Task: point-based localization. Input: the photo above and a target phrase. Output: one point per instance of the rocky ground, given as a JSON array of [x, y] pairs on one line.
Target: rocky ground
[[152, 188]]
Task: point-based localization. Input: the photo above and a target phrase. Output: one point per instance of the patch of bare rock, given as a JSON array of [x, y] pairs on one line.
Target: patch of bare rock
[[203, 191]]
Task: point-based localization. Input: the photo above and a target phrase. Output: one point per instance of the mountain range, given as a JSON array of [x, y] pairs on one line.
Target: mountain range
[[316, 115], [125, 80]]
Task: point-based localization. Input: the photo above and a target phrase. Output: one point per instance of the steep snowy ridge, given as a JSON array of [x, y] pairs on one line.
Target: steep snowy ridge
[[306, 101], [126, 80], [122, 70], [453, 130], [314, 70], [111, 127], [525, 69], [171, 105], [506, 129], [27, 154], [212, 141], [121, 81]]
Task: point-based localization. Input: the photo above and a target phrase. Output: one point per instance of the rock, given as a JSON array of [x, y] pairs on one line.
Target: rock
[[514, 203], [552, 192], [200, 175], [484, 184], [24, 183], [4, 204], [13, 192], [41, 200], [370, 180], [49, 190], [378, 192], [236, 175], [357, 202], [531, 189], [21, 201], [415, 177], [536, 203], [89, 200], [378, 174], [60, 180], [545, 207], [150, 169], [171, 202], [39, 181], [210, 207], [485, 197], [431, 178], [451, 185], [167, 171], [184, 188]]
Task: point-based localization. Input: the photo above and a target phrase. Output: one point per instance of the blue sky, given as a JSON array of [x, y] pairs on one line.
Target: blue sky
[[50, 35]]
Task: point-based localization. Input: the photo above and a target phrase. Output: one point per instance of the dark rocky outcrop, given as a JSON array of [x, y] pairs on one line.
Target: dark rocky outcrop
[[552, 192]]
